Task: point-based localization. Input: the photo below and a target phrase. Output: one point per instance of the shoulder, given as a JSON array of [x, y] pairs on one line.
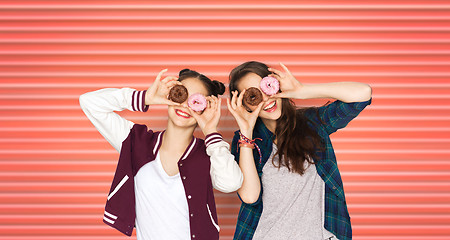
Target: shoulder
[[197, 151], [141, 130], [199, 144], [311, 115], [141, 135]]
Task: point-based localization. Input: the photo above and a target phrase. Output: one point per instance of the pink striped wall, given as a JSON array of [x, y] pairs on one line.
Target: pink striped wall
[[56, 169]]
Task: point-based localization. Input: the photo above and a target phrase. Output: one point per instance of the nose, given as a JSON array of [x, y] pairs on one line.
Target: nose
[[265, 97]]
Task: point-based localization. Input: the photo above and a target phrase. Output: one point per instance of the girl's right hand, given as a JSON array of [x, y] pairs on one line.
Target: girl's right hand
[[245, 120], [157, 93]]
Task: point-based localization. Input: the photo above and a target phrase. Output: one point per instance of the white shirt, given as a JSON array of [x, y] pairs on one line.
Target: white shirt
[[161, 204]]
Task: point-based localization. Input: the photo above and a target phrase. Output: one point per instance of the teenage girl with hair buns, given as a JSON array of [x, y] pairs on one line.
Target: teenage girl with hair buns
[[164, 181]]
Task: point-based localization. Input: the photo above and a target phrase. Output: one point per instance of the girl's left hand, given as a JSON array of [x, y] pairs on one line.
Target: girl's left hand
[[290, 87], [209, 119]]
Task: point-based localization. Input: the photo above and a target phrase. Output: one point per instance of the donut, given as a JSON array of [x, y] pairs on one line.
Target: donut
[[178, 94], [197, 102], [269, 85], [253, 96]]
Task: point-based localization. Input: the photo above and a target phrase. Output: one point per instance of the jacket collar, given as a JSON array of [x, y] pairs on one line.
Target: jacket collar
[[158, 143], [186, 153]]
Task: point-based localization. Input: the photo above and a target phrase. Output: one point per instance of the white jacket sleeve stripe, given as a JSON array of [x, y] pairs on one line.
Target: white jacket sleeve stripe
[[122, 182], [138, 102], [110, 215], [133, 101], [108, 220], [212, 140]]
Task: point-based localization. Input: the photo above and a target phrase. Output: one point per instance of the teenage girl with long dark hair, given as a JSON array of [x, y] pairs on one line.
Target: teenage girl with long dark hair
[[292, 187], [164, 181]]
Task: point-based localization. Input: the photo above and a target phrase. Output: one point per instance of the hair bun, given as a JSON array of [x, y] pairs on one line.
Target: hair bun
[[220, 87], [184, 71]]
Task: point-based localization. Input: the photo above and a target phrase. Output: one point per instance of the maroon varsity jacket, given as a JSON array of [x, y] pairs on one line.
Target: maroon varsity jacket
[[141, 147]]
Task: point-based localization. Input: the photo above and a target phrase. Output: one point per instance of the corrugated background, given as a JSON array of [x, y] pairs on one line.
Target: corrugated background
[[56, 169]]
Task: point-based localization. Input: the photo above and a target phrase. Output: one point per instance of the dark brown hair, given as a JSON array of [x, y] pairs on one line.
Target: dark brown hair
[[295, 139], [214, 87]]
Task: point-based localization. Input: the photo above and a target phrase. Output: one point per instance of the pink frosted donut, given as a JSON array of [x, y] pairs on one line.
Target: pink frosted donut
[[269, 85], [197, 102]]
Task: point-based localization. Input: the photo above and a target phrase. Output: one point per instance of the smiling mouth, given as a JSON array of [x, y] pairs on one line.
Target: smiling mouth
[[271, 107], [182, 114]]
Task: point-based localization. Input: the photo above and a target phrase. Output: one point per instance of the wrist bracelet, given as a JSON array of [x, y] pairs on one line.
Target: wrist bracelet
[[247, 145], [247, 142]]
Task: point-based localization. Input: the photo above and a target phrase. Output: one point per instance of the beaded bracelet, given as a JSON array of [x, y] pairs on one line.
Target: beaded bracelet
[[246, 142]]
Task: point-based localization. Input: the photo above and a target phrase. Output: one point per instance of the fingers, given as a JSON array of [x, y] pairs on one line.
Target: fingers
[[280, 95], [258, 108], [158, 78], [239, 100], [218, 106], [193, 114], [212, 98], [171, 103], [285, 68], [276, 71], [230, 108], [168, 79], [210, 102], [234, 99], [171, 84], [276, 76], [213, 104]]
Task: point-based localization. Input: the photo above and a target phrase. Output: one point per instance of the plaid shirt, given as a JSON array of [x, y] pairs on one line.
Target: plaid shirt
[[336, 115]]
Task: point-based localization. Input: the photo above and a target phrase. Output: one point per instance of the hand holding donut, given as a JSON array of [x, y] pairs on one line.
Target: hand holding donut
[[290, 87], [209, 118], [245, 120], [158, 91]]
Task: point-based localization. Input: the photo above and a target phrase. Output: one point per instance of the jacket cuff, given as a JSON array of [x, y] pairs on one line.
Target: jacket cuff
[[138, 101], [361, 105], [213, 138]]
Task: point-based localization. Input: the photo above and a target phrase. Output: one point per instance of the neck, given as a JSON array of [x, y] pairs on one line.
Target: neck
[[177, 138]]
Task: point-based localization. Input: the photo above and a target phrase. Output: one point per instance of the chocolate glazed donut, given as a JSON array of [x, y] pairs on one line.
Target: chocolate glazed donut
[[178, 93], [253, 96]]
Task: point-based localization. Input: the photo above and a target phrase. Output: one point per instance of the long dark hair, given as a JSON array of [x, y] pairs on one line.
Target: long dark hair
[[296, 140], [214, 87]]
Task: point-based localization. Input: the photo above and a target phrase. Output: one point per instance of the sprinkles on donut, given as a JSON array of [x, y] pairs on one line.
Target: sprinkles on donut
[[269, 85], [197, 102]]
